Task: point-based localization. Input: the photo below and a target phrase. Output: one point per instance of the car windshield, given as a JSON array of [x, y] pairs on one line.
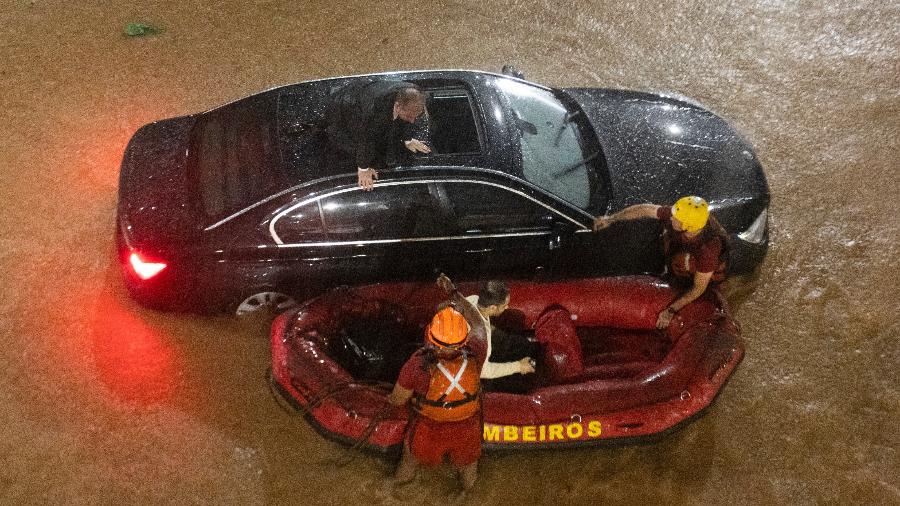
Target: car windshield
[[553, 154]]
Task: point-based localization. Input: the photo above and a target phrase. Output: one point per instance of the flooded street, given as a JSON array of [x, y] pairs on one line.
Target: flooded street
[[104, 401]]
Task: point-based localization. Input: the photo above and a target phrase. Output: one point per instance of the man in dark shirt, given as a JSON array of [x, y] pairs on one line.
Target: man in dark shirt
[[371, 123]]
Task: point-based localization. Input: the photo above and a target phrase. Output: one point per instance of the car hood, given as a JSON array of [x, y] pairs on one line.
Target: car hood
[[659, 148]]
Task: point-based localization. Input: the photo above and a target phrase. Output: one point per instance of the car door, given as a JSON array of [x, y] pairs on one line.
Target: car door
[[626, 247], [500, 231], [395, 232]]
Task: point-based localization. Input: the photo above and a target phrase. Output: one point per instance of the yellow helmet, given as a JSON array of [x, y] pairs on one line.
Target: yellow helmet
[[692, 212]]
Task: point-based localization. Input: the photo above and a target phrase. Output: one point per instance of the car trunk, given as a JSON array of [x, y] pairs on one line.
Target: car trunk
[[156, 211]]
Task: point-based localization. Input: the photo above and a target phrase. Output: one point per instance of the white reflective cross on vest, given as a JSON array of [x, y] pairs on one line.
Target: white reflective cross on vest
[[454, 380]]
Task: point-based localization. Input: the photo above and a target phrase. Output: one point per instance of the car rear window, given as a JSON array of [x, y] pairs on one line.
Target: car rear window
[[234, 157]]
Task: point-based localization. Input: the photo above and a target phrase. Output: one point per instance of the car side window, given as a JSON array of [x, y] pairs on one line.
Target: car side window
[[385, 213], [303, 224], [487, 209], [453, 129]]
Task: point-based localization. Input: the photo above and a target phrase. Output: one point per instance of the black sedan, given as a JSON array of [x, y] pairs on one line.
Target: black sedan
[[236, 209]]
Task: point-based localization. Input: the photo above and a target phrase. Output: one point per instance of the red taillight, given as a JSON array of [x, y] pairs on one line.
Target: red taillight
[[144, 269]]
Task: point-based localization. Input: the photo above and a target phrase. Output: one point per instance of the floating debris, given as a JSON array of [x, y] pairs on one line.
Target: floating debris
[[141, 29]]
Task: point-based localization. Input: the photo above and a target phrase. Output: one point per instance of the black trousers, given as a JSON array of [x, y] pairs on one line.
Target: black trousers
[[509, 347]]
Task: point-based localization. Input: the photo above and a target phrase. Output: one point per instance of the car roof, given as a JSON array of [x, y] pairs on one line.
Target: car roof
[[423, 74], [509, 170]]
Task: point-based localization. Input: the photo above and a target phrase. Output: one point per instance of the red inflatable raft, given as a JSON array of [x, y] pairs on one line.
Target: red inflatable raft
[[604, 372]]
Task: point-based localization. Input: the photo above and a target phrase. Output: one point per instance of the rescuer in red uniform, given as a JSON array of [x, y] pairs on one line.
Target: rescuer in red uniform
[[442, 379], [694, 244]]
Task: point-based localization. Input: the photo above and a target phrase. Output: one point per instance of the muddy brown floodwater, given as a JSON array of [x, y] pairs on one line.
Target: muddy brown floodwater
[[103, 401]]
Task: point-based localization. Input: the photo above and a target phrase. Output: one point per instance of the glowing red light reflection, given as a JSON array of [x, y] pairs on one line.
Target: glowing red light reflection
[[138, 361], [144, 269]]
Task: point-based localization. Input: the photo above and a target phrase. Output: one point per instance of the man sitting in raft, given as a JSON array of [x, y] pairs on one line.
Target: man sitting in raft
[[694, 244], [492, 300]]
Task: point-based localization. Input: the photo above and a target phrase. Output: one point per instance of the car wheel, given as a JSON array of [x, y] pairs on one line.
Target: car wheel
[[264, 301]]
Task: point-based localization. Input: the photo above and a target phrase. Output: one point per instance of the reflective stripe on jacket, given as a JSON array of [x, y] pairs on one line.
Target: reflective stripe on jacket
[[452, 390]]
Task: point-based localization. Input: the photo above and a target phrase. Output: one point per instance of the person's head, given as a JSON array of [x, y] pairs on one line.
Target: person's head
[[448, 330], [493, 298], [690, 214], [409, 104]]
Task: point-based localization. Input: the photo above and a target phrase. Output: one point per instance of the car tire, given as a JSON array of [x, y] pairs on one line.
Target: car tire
[[264, 301]]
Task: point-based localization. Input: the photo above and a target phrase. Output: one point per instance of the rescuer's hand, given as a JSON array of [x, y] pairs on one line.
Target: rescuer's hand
[[399, 396], [665, 316], [417, 146], [444, 283], [526, 365], [601, 222], [367, 178]]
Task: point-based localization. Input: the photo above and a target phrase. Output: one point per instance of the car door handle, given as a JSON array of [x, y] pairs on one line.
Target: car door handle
[[483, 250], [555, 242]]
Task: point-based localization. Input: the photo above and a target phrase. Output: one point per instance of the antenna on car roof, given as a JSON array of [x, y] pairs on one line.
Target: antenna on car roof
[[509, 70]]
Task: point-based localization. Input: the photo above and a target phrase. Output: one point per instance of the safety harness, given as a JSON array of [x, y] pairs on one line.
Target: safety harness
[[453, 390]]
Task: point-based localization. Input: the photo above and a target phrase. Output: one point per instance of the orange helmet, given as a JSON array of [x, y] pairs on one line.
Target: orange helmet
[[448, 329]]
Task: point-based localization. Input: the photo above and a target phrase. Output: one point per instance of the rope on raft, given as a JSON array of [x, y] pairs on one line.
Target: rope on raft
[[328, 392], [364, 438]]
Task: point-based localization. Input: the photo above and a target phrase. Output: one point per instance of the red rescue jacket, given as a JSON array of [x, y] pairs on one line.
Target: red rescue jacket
[[681, 256]]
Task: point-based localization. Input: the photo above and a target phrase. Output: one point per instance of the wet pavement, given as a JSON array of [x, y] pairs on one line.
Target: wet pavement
[[104, 401]]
